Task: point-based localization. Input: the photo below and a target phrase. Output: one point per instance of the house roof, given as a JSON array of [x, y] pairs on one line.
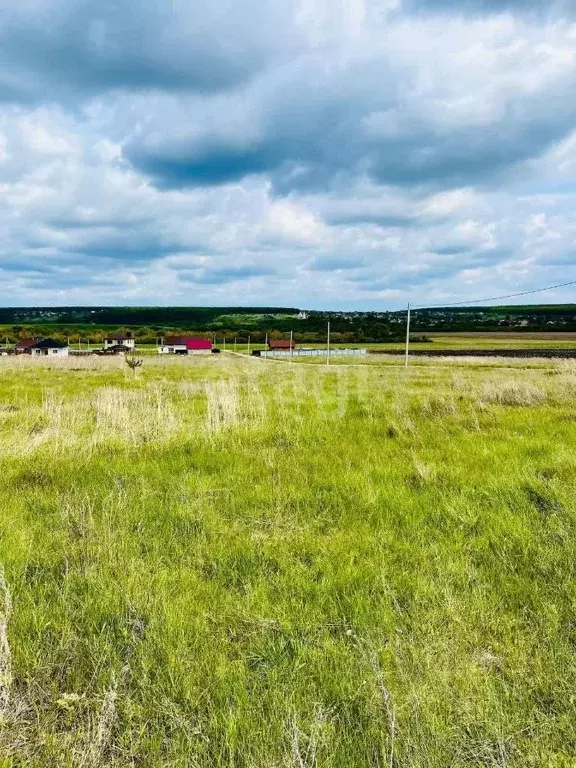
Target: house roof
[[25, 343], [190, 342], [49, 344], [281, 344]]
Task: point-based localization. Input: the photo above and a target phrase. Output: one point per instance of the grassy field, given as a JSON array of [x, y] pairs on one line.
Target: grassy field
[[510, 340], [482, 341], [472, 340], [232, 562]]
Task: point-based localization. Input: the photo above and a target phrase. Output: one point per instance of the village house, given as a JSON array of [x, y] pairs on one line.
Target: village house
[[184, 345], [24, 346], [117, 349], [49, 347], [120, 339], [276, 344]]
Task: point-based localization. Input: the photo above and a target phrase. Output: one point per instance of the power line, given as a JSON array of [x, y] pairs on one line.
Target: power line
[[491, 298]]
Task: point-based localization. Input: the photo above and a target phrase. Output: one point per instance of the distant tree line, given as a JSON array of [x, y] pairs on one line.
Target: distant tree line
[[148, 324]]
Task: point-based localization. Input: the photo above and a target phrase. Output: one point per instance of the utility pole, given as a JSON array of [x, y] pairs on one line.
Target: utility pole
[[248, 343], [224, 340], [234, 344], [291, 345], [266, 345], [328, 346], [407, 336]]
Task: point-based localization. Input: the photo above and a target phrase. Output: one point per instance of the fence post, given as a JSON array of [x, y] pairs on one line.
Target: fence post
[[407, 337]]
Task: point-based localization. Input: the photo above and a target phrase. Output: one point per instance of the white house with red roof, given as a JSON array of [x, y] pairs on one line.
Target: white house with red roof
[[184, 345]]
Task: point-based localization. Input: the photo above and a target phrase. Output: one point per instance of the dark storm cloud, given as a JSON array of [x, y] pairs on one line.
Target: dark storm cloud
[[85, 47], [210, 166], [309, 139], [318, 161]]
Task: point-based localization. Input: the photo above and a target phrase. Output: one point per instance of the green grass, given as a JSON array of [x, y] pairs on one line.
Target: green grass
[[232, 562], [496, 340]]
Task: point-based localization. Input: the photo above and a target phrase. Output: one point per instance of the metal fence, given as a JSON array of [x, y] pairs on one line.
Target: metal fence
[[312, 352]]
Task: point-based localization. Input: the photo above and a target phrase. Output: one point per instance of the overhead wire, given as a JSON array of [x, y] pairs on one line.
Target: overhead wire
[[490, 298]]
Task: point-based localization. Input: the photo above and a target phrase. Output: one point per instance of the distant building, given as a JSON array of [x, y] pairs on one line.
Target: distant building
[[302, 315], [116, 349], [120, 339], [184, 345], [281, 344], [49, 347], [24, 346]]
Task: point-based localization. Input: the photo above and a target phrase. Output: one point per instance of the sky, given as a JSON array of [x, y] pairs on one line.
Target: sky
[[330, 154]]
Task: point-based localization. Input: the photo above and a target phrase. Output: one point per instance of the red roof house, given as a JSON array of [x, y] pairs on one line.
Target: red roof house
[[281, 344], [182, 345], [24, 345]]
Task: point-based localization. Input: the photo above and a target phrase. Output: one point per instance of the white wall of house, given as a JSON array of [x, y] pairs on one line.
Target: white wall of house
[[50, 352], [171, 349], [174, 349]]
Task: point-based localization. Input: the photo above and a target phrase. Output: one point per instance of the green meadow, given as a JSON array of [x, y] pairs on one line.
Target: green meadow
[[226, 561]]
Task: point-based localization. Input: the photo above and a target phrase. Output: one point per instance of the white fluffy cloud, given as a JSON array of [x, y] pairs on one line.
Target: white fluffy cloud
[[348, 154]]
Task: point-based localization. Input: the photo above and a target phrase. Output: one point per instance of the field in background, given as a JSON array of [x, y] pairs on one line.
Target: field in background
[[480, 340], [232, 562], [472, 340], [509, 340]]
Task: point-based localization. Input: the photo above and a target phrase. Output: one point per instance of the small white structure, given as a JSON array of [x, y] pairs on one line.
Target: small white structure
[[49, 348], [302, 315], [120, 339]]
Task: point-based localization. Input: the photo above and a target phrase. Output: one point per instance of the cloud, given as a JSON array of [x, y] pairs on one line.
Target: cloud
[[351, 154], [86, 48], [334, 263], [546, 8], [316, 126], [227, 274]]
